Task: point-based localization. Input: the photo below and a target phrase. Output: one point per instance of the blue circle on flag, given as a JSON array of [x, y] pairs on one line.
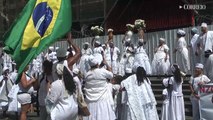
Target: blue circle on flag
[[42, 17]]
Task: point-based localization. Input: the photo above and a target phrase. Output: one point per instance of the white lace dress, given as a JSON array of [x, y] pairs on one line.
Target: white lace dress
[[183, 55], [176, 107], [97, 54], [159, 65], [142, 59]]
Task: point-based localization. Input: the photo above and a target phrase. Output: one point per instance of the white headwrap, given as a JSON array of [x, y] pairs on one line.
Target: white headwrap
[[93, 61], [194, 30], [204, 25], [128, 40], [162, 39], [86, 43], [129, 34], [181, 32], [97, 37], [130, 49], [56, 48], [51, 48], [110, 30], [199, 65], [97, 42], [103, 45]]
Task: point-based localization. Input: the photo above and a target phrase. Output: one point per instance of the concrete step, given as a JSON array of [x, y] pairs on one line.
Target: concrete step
[[159, 91], [160, 86], [159, 97]]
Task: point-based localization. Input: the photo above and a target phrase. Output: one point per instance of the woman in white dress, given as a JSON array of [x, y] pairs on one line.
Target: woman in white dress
[[160, 63], [195, 82], [98, 51], [176, 106], [141, 103], [141, 58], [182, 52], [126, 45], [5, 87], [61, 102], [97, 92], [86, 52], [166, 98]]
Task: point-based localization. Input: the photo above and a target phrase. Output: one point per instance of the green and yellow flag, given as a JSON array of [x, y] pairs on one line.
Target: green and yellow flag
[[40, 24]]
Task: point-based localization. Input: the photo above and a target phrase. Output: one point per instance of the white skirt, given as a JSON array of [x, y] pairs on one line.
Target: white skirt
[[142, 60], [159, 65], [165, 110], [177, 108], [183, 60], [100, 110]]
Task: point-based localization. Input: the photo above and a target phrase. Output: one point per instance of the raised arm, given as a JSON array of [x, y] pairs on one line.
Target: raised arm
[[72, 60]]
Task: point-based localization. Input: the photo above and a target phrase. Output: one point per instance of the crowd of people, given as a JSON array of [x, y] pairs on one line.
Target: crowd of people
[[100, 82]]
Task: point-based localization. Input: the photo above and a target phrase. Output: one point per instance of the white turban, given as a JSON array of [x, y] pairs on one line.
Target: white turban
[[97, 42], [199, 65], [103, 45], [194, 30], [56, 48], [162, 39], [129, 34], [181, 32], [130, 49], [204, 25], [128, 40], [93, 61], [86, 43], [110, 30], [51, 48], [97, 37]]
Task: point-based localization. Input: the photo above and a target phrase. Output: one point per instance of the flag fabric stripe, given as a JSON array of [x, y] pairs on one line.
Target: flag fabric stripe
[[17, 28], [35, 34], [30, 29]]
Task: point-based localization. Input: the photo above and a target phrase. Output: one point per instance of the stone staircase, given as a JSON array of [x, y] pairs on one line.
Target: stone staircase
[[158, 88]]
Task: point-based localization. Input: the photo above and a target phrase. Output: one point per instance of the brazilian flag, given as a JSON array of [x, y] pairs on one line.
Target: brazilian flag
[[40, 24]]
